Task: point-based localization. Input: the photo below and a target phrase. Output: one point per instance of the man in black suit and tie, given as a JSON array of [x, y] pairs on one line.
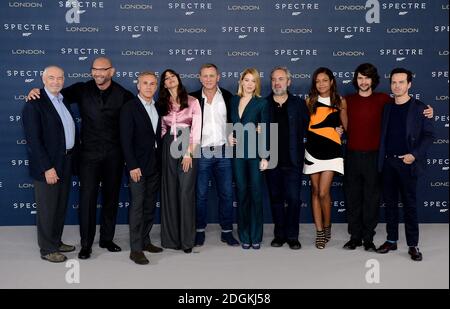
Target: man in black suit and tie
[[405, 137], [140, 135], [51, 139], [101, 159]]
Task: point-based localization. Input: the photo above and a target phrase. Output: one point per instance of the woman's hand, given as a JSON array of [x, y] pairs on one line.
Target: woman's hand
[[263, 165], [186, 164]]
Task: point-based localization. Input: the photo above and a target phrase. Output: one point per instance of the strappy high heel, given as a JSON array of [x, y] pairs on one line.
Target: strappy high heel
[[327, 230], [320, 239]]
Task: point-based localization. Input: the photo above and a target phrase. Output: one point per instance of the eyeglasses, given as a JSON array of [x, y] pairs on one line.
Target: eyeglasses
[[101, 69]]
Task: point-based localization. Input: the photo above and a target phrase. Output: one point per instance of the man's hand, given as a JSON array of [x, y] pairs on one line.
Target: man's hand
[[428, 112], [51, 177], [136, 174], [34, 94], [407, 158], [231, 140]]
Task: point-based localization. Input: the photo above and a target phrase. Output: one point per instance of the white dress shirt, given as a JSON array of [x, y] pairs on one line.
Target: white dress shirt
[[214, 121]]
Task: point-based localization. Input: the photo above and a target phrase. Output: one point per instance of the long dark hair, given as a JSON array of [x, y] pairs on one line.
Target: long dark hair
[[164, 94], [335, 98]]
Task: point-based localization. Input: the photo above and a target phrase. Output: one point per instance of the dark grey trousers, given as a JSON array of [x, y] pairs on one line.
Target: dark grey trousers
[[142, 210], [177, 201], [51, 201]]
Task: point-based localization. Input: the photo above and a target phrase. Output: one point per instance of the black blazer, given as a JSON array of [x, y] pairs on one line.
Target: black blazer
[[419, 134], [226, 97], [138, 137], [44, 132], [100, 133], [298, 115]]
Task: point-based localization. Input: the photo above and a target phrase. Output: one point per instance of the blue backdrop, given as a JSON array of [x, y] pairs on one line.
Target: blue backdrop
[[155, 35]]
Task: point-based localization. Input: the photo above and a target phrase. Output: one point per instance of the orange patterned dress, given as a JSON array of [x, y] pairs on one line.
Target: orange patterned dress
[[323, 149]]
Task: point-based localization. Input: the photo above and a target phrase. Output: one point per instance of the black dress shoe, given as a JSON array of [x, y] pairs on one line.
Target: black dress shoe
[[369, 246], [199, 239], [187, 250], [85, 253], [386, 247], [138, 257], [152, 248], [229, 239], [415, 254], [277, 242], [352, 244], [112, 247], [294, 244]]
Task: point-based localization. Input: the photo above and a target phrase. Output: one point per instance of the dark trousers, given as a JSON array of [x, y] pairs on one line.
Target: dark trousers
[[249, 183], [51, 201], [284, 188], [177, 200], [362, 190], [220, 169], [142, 210], [397, 178], [109, 172]]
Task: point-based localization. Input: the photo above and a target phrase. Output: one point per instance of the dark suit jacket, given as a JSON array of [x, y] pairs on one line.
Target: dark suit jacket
[[138, 138], [298, 115], [44, 132], [419, 134], [226, 97], [256, 112]]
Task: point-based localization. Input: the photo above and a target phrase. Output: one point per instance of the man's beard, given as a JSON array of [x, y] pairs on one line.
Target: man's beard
[[279, 91], [366, 89]]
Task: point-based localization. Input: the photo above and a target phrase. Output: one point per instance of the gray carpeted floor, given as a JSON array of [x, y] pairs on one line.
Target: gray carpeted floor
[[216, 265]]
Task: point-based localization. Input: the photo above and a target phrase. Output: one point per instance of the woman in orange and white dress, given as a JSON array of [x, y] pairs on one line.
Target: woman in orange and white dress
[[323, 153]]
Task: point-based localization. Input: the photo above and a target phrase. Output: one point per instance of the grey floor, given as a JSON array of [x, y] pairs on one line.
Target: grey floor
[[216, 265]]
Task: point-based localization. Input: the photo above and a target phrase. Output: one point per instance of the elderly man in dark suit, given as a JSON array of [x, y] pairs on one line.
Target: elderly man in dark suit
[[140, 135], [51, 141], [405, 137], [101, 160]]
